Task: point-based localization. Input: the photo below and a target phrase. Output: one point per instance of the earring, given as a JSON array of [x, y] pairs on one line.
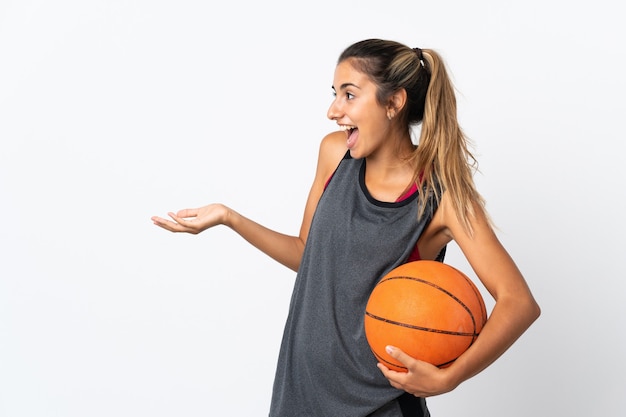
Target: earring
[[390, 115]]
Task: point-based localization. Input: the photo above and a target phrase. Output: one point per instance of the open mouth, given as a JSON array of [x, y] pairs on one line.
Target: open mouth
[[352, 132], [347, 128]]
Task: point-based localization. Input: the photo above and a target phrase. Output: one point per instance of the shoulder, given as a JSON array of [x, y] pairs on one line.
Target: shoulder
[[331, 151], [333, 145]]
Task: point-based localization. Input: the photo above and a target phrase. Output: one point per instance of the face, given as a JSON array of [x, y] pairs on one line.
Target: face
[[357, 112]]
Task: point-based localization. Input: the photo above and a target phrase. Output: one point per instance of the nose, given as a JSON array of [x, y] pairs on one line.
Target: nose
[[333, 111]]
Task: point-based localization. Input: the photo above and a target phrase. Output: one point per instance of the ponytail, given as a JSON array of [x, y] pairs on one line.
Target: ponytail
[[444, 161]]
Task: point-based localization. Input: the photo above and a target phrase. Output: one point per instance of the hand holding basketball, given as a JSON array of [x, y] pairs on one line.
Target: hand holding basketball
[[421, 379]]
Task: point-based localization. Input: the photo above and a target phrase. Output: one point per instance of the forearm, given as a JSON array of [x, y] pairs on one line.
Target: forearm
[[283, 248]]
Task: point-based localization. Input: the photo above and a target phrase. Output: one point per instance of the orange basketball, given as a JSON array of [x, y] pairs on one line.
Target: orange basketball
[[429, 309]]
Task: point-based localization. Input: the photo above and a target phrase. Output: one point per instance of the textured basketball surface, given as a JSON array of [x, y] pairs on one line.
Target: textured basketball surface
[[429, 309]]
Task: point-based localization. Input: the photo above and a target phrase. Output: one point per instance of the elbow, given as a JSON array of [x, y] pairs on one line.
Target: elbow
[[293, 266], [536, 310], [532, 310], [522, 308]]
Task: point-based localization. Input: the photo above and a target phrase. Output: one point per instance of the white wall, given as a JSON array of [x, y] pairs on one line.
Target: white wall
[[112, 111]]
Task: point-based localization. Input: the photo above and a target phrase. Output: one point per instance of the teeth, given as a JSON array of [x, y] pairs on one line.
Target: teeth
[[346, 127]]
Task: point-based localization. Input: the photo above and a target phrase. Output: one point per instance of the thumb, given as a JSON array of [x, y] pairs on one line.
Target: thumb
[[398, 354]]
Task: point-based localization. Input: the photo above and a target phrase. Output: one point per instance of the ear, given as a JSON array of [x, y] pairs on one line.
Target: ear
[[396, 102]]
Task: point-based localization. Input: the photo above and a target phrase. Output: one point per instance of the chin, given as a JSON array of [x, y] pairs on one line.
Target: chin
[[355, 154]]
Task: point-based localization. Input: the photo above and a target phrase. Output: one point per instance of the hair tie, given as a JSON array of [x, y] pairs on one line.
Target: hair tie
[[420, 56]]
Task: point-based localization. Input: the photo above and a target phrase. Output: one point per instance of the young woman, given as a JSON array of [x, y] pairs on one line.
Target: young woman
[[378, 201]]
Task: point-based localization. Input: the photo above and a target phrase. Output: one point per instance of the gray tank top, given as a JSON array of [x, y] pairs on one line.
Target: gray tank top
[[325, 367]]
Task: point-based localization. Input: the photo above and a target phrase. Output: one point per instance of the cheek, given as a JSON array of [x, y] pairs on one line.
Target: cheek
[[376, 123]]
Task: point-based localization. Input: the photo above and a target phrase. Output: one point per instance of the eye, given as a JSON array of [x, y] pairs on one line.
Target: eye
[[348, 95]]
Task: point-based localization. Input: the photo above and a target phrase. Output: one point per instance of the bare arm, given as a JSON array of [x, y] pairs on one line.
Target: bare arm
[[514, 311], [283, 248]]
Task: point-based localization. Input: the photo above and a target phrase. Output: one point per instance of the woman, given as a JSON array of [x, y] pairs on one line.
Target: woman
[[378, 201]]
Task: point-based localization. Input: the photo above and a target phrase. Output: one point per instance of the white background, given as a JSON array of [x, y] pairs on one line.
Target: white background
[[113, 111]]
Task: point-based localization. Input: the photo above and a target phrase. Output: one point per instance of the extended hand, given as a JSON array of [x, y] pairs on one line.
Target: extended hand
[[195, 220], [422, 379]]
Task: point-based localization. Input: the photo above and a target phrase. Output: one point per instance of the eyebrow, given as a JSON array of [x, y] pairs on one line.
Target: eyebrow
[[346, 85]]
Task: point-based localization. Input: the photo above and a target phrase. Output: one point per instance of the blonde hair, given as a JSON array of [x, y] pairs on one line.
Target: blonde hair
[[442, 158]]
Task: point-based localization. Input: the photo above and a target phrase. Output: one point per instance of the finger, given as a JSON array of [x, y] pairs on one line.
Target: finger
[[185, 213], [398, 354], [166, 224], [183, 224], [386, 371], [412, 364], [394, 378], [187, 225], [184, 217], [159, 221]]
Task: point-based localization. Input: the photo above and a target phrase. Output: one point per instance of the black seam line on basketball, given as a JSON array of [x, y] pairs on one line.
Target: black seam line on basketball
[[423, 281], [426, 329]]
